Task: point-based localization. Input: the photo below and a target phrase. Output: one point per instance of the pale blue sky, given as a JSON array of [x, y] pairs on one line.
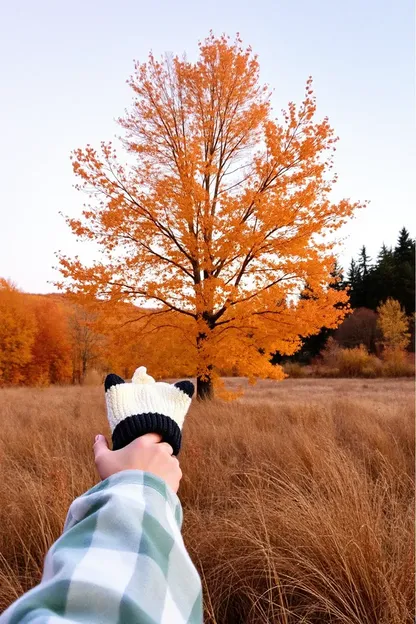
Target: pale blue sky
[[63, 72]]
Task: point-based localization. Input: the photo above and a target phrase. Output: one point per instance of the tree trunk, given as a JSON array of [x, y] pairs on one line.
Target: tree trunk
[[84, 366], [204, 386], [204, 389]]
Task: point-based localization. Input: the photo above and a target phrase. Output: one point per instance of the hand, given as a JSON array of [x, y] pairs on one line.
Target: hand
[[146, 453]]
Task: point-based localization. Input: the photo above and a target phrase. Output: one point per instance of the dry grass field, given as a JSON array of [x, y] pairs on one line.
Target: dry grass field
[[298, 498]]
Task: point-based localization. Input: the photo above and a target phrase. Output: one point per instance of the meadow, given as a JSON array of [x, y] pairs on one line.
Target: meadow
[[298, 498]]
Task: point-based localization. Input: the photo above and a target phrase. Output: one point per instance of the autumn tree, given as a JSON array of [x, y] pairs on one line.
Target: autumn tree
[[314, 344], [393, 325], [51, 350], [404, 259], [17, 333], [86, 342], [360, 328], [220, 213]]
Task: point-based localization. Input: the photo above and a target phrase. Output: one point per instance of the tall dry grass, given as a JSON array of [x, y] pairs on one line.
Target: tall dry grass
[[298, 498]]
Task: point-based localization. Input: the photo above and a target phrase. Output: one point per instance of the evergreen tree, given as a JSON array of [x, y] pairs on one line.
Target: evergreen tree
[[405, 248], [337, 275], [364, 290], [359, 280], [385, 256], [364, 265], [404, 261], [383, 277], [392, 275], [354, 282]]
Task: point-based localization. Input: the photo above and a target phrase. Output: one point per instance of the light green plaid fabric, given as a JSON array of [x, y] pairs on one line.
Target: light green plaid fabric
[[121, 559]]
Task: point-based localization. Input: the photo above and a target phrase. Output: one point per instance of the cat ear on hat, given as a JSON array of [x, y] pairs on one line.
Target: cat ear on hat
[[186, 386], [112, 380]]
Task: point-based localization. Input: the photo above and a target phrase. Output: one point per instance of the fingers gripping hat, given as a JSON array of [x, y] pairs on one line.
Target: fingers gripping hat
[[144, 406]]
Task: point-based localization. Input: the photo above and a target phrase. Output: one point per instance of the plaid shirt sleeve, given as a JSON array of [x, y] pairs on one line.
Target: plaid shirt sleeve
[[120, 559]]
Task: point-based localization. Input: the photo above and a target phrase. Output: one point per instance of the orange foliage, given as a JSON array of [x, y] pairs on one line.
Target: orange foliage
[[51, 351], [136, 335], [17, 334], [221, 216], [394, 325], [35, 338]]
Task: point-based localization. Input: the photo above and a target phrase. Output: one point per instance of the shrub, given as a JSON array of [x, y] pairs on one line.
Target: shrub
[[353, 361], [326, 372], [330, 354], [396, 363], [294, 370], [370, 372], [357, 362], [337, 362]]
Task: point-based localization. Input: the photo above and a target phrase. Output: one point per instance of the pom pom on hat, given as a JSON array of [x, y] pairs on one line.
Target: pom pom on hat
[[146, 406], [141, 376]]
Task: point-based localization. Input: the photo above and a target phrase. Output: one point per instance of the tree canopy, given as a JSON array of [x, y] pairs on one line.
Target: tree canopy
[[219, 214]]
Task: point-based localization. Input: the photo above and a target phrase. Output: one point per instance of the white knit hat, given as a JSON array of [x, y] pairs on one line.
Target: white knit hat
[[145, 406]]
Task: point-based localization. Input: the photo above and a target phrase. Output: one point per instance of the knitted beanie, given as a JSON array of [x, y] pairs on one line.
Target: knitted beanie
[[144, 406]]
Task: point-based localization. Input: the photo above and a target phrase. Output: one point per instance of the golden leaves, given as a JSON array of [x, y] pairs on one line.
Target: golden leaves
[[34, 345], [393, 324], [218, 210]]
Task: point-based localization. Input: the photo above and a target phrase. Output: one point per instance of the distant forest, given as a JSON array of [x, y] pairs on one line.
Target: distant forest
[[371, 282]]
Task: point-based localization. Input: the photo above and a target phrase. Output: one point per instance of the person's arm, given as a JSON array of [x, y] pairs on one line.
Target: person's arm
[[121, 557]]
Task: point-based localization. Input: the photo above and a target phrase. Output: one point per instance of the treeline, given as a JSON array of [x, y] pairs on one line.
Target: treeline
[[43, 339], [56, 339], [392, 274], [371, 283]]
